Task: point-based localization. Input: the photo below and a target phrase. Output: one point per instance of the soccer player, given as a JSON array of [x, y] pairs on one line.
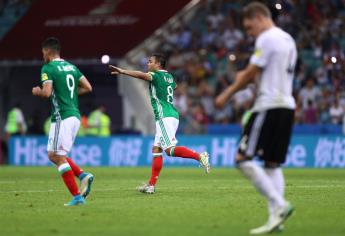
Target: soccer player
[[162, 87], [268, 130], [62, 82]]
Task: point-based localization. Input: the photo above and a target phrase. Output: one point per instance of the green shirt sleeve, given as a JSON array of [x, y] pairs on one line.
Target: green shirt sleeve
[[46, 75], [154, 77], [78, 73]]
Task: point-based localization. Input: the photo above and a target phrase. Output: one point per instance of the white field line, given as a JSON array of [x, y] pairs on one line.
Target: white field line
[[175, 188]]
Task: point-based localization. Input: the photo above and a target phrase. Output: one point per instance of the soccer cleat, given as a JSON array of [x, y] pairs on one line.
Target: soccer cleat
[[204, 157], [279, 229], [146, 188], [86, 180], [276, 224], [267, 228], [282, 214], [77, 200]]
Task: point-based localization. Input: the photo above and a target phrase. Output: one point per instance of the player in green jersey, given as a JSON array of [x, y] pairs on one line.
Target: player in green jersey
[[162, 86], [62, 82]]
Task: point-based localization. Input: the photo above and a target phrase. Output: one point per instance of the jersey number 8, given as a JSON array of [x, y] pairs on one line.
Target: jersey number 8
[[170, 97]]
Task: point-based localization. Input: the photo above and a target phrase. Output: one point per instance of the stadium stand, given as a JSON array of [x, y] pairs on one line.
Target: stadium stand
[[206, 46], [206, 51]]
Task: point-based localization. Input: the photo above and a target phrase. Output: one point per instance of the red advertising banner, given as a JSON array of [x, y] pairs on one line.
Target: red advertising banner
[[87, 29]]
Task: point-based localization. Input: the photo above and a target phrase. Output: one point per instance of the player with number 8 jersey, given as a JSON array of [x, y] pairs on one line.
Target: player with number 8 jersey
[[62, 82], [162, 86]]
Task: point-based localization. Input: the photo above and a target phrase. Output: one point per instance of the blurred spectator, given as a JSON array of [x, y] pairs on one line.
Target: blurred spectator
[[324, 116], [231, 36], [180, 99], [215, 17], [310, 113], [15, 123], [309, 93], [99, 123], [336, 112], [205, 95], [197, 120]]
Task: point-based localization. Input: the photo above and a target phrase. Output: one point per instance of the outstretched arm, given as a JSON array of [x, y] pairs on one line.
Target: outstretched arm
[[242, 78], [84, 86], [136, 74], [45, 91]]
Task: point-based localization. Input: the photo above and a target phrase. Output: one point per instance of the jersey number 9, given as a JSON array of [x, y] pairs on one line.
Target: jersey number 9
[[70, 84]]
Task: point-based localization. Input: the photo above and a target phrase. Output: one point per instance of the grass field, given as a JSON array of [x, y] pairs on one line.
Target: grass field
[[188, 202]]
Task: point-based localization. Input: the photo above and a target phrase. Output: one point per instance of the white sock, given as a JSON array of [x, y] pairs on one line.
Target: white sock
[[277, 178], [262, 182]]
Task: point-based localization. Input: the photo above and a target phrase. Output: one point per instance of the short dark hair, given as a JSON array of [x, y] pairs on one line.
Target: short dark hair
[[52, 43], [160, 58], [252, 9]]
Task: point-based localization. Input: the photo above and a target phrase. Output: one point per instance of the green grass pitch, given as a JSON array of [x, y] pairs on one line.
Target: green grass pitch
[[187, 202]]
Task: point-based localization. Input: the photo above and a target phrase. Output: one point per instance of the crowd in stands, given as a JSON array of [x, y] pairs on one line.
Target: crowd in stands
[[10, 12], [205, 53]]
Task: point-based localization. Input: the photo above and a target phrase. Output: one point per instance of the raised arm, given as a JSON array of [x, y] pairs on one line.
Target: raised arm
[[242, 79], [84, 86], [136, 74], [45, 91]]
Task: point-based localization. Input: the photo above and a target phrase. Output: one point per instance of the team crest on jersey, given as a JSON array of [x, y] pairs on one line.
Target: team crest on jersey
[[44, 76]]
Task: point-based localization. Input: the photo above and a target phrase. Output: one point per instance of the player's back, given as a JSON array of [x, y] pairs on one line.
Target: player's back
[[65, 78], [278, 58], [162, 89]]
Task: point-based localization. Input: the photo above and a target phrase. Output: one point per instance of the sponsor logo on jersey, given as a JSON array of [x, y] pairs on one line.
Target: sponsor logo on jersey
[[44, 76]]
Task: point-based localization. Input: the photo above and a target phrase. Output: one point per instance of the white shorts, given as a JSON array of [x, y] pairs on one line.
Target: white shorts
[[165, 132], [62, 135]]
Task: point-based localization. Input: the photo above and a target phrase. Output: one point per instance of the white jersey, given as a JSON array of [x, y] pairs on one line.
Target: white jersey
[[275, 52]]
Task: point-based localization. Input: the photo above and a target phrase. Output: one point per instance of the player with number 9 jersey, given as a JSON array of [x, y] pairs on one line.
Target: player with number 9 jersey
[[65, 78], [62, 82]]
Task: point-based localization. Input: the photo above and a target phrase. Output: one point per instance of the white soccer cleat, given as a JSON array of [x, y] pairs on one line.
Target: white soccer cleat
[[276, 224], [204, 162], [267, 228], [281, 214], [146, 188], [262, 229]]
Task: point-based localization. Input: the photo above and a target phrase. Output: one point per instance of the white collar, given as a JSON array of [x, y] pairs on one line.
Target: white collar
[[58, 59]]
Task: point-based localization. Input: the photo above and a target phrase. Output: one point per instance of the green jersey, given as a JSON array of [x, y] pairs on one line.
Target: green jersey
[[162, 88], [65, 78]]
